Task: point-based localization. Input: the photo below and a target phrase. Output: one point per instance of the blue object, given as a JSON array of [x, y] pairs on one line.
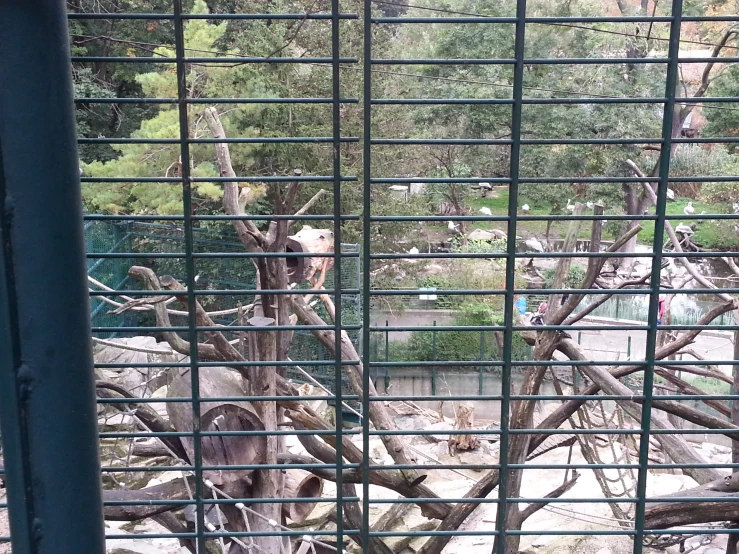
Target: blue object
[[521, 305]]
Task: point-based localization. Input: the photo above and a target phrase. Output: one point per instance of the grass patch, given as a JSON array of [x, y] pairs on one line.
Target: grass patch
[[710, 385]]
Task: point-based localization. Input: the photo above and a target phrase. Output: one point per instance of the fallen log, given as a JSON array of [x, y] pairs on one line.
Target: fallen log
[[676, 513], [222, 450], [301, 484], [140, 500]]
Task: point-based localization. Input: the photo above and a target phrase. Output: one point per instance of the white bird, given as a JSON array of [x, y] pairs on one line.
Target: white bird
[[689, 209], [735, 206], [81, 172], [590, 204], [486, 186], [451, 226], [413, 250], [670, 194], [702, 213], [525, 208], [485, 211], [534, 244], [684, 230], [570, 207]]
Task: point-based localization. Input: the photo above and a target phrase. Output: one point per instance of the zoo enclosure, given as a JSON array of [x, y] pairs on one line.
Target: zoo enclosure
[[24, 534], [115, 246]]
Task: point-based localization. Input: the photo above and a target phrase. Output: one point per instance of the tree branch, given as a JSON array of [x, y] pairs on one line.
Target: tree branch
[[690, 389], [595, 266], [148, 416], [677, 448], [676, 243], [534, 507], [247, 231], [169, 491], [574, 318], [663, 515]]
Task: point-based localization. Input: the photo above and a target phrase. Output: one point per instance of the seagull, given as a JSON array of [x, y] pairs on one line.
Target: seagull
[[525, 208], [452, 226], [570, 207], [413, 250], [534, 244], [735, 206], [702, 213], [81, 172], [689, 209], [486, 186], [590, 204], [486, 211], [670, 194]]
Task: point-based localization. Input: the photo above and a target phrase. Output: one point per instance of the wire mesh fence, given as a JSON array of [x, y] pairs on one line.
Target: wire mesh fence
[[393, 277]]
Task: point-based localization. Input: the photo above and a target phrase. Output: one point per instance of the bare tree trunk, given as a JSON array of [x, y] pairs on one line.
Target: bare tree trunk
[[522, 412]]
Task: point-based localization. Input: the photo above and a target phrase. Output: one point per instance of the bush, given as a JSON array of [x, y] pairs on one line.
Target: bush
[[574, 278], [460, 344]]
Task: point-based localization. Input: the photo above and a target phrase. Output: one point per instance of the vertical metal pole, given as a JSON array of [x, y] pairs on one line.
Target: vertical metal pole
[[47, 391], [338, 360], [515, 165], [480, 368], [628, 356], [579, 337], [433, 369], [366, 265], [184, 132], [654, 284], [387, 356]]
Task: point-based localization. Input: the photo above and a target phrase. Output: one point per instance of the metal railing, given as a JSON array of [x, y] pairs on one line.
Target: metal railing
[[207, 423]]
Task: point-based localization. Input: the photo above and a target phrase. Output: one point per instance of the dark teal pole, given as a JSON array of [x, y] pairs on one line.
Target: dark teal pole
[[387, 356], [47, 395], [482, 357], [433, 369]]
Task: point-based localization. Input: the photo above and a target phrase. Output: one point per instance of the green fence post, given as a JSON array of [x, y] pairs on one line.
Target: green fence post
[[433, 369], [480, 368], [579, 337], [387, 356], [47, 389], [628, 356], [618, 306]]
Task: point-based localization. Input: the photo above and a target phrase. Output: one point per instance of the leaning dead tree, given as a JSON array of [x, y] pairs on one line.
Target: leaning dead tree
[[255, 367]]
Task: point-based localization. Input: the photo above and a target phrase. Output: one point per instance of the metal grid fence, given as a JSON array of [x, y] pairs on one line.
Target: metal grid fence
[[205, 442]]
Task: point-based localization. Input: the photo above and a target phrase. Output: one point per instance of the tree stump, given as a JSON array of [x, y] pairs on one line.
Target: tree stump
[[464, 420]]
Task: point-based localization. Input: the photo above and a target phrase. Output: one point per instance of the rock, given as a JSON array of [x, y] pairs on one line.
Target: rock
[[604, 551], [661, 484], [711, 550], [411, 422], [475, 457], [139, 544], [439, 426], [441, 449], [431, 270], [480, 234]]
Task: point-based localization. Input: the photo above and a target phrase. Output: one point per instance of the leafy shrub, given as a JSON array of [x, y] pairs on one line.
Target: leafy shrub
[[574, 278], [460, 344]]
